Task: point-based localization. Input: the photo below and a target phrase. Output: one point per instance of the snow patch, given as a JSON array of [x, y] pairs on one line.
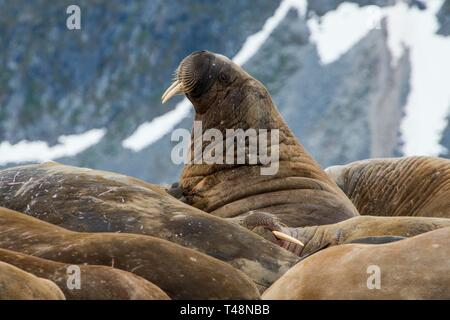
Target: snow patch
[[428, 103], [339, 30], [254, 42], [39, 151], [150, 132]]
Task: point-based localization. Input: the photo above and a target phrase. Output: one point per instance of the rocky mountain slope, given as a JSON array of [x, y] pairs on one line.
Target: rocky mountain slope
[[109, 76]]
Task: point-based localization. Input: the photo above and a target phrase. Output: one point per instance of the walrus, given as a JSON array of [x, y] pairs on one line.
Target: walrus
[[360, 229], [406, 186], [181, 272], [16, 284], [227, 98], [88, 200], [413, 268], [96, 282]]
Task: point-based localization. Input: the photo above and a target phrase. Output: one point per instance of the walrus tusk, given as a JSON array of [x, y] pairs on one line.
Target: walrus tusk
[[283, 236], [175, 88]]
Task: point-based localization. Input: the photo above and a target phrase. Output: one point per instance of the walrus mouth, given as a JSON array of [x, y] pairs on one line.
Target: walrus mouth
[[266, 220], [184, 81]]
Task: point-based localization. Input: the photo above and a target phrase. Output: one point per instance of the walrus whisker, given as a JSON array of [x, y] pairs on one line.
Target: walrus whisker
[[188, 88], [187, 81], [186, 75], [283, 236]]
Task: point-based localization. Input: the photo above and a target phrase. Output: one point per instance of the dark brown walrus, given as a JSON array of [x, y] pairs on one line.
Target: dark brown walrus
[[413, 268], [408, 186], [16, 284], [96, 282], [226, 97], [361, 229], [181, 272], [97, 201]]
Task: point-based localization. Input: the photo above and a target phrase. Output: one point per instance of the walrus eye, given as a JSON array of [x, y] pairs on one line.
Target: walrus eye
[[223, 77]]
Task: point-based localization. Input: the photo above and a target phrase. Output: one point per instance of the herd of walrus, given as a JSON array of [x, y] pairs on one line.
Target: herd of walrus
[[225, 231]]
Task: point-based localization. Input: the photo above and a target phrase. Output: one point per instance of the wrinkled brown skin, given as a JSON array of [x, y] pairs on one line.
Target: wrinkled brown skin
[[408, 186], [87, 200], [180, 272], [414, 268], [16, 284], [354, 229], [97, 282], [300, 194]]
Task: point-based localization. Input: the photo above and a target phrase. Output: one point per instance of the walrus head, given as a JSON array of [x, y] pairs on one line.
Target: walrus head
[[206, 78], [220, 90]]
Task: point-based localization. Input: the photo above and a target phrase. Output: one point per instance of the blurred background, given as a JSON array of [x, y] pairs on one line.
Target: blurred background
[[353, 79]]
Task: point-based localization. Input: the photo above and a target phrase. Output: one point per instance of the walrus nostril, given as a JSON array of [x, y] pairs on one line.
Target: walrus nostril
[[261, 219], [195, 53]]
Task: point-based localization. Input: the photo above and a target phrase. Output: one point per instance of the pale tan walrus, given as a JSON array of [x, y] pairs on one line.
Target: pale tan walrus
[[16, 284], [413, 268], [408, 186], [95, 282], [225, 98]]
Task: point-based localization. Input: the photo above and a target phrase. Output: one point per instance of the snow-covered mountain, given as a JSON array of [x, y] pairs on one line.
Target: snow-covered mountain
[[354, 79]]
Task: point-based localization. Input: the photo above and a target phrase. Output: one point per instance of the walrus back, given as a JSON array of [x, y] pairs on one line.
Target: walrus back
[[409, 186], [16, 284], [413, 268]]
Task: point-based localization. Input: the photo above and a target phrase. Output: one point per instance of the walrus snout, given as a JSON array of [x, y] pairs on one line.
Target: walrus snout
[[265, 220], [194, 74]]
